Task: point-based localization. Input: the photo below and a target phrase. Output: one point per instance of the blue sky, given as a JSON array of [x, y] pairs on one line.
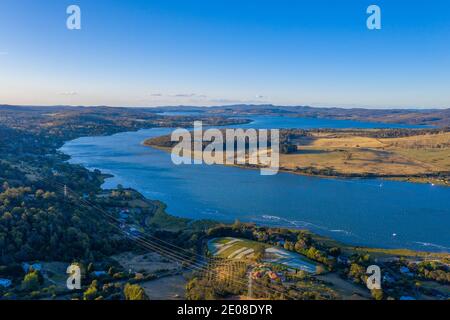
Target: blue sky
[[215, 52]]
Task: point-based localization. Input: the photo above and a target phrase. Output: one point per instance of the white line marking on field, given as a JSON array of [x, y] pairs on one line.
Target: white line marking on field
[[235, 253], [245, 253]]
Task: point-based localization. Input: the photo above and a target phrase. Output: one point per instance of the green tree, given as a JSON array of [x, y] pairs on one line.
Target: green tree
[[134, 292], [31, 281], [377, 294], [357, 272], [91, 292], [237, 225], [259, 252]]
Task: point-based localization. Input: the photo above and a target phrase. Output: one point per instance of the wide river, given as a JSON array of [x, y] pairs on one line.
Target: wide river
[[368, 212]]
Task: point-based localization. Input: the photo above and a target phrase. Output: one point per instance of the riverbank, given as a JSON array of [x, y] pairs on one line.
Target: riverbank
[[354, 211], [310, 172], [418, 156]]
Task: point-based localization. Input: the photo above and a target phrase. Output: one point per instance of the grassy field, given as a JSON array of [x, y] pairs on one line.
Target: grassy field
[[418, 157], [230, 247], [348, 154], [241, 249]]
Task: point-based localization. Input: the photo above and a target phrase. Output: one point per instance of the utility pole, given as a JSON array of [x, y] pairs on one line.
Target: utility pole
[[250, 286]]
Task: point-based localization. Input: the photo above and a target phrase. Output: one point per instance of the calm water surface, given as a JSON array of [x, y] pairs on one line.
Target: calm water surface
[[363, 212]]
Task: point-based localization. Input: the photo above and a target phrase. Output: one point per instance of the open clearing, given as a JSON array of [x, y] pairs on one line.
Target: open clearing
[[148, 263], [418, 157], [349, 154], [172, 288]]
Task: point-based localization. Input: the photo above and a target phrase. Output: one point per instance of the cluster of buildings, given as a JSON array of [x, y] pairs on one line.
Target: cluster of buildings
[[261, 270]]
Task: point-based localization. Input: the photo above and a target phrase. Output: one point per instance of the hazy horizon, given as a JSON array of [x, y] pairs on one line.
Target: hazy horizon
[[221, 106]]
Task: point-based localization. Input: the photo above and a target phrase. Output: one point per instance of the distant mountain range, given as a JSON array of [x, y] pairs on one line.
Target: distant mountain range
[[434, 117]]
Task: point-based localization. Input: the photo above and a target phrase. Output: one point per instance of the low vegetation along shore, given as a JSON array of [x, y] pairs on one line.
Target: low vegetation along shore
[[403, 154]]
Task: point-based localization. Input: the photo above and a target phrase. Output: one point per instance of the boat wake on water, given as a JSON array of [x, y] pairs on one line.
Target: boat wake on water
[[297, 224]]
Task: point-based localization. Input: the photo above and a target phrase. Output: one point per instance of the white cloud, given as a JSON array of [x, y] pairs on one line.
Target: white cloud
[[69, 93], [178, 95], [195, 98], [184, 95]]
